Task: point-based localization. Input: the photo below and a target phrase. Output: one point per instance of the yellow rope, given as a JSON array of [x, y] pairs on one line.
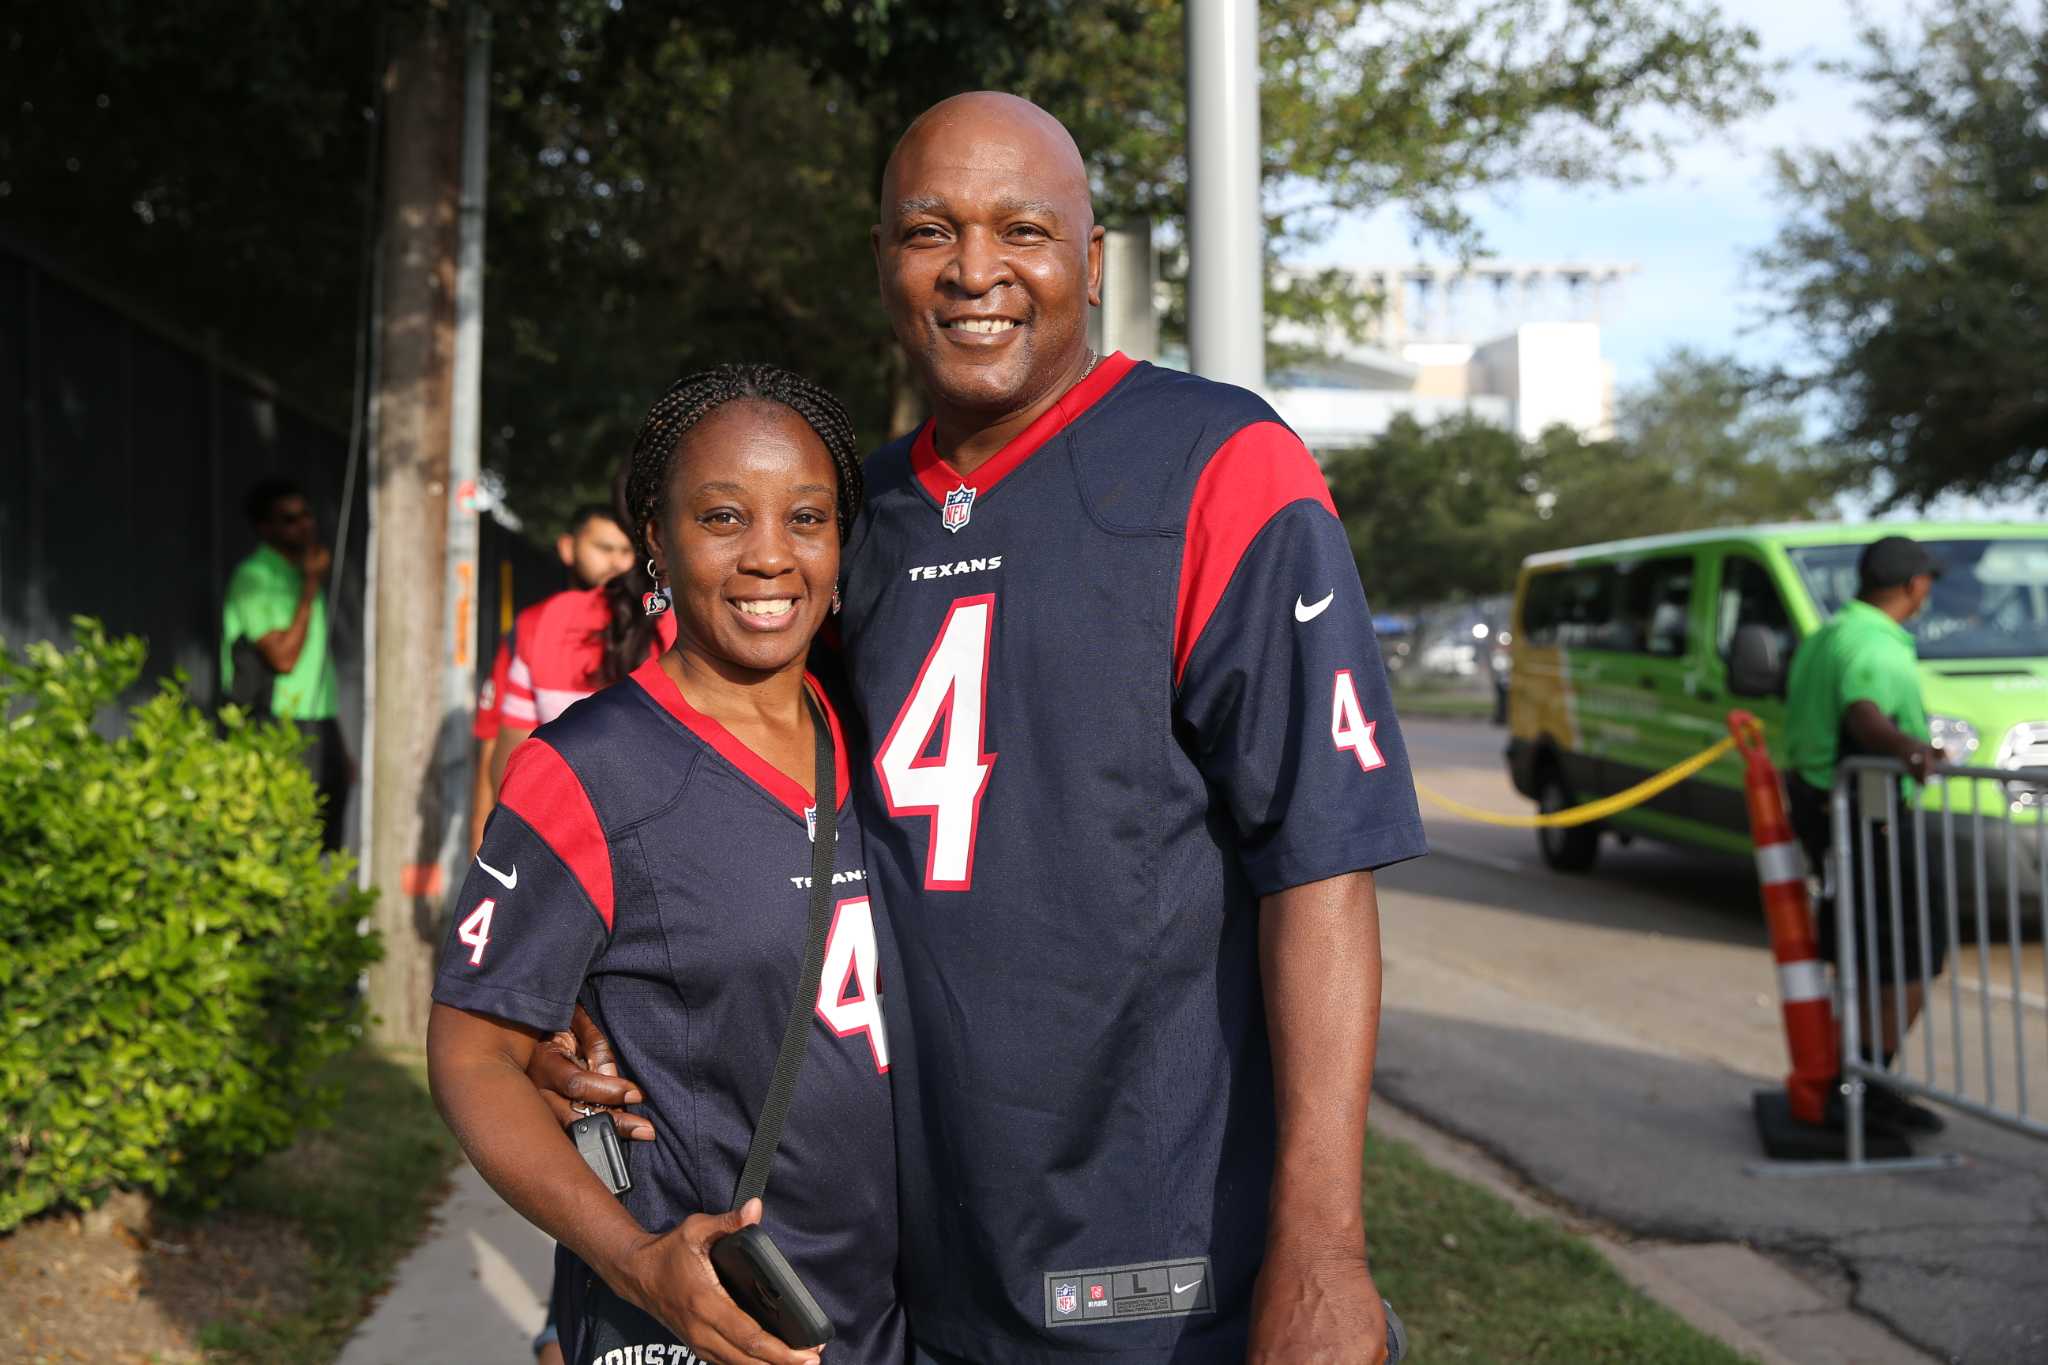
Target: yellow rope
[[1592, 810]]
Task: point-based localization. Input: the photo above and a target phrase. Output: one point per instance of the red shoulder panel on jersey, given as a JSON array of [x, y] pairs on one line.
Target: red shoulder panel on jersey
[[939, 478], [544, 791], [1249, 479]]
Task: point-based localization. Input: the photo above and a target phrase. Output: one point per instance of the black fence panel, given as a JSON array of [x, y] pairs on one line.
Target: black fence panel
[[125, 453], [126, 449]]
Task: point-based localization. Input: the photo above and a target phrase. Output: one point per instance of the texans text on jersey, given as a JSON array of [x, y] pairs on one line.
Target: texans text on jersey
[[956, 568], [857, 874]]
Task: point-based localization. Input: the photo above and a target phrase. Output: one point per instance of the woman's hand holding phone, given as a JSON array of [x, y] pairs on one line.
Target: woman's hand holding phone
[[671, 1278]]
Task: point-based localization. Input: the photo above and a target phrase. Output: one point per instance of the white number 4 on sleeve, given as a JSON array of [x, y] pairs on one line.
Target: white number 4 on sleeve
[[476, 931], [1349, 729]]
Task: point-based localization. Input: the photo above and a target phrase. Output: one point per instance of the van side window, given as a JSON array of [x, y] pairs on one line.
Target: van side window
[[1750, 598], [1656, 610], [1570, 609]]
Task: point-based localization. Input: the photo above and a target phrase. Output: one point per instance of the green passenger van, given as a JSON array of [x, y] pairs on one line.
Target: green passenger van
[[1628, 657]]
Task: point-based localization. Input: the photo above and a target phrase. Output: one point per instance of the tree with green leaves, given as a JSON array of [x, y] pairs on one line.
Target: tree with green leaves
[[1916, 264], [205, 160], [679, 183], [1434, 513], [1698, 445], [1409, 104], [1439, 513]]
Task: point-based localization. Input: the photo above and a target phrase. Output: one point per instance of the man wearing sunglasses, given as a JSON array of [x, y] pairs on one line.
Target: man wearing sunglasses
[[273, 639]]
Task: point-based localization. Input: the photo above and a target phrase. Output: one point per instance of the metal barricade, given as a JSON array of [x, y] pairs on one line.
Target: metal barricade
[[1964, 853]]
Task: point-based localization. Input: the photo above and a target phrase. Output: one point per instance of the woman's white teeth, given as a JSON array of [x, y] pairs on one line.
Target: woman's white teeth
[[773, 606], [985, 326]]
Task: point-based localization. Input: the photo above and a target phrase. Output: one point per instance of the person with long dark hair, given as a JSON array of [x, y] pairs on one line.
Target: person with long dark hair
[[651, 860]]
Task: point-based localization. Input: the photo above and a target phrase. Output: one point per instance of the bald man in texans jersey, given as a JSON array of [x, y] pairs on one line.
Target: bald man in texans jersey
[[1133, 764]]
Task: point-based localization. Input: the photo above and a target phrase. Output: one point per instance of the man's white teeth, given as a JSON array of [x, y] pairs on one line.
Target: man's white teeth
[[773, 606], [985, 326]]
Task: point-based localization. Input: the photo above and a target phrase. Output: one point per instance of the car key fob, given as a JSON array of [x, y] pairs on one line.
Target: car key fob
[[598, 1144]]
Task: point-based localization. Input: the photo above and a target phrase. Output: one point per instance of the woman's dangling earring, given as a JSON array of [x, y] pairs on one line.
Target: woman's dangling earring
[[660, 600], [835, 599]]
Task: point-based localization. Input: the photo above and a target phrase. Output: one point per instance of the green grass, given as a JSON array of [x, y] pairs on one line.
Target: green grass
[[1476, 1281], [1446, 698], [1444, 705], [360, 1192]]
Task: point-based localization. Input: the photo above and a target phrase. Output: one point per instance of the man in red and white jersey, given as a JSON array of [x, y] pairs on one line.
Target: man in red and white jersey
[[558, 658], [595, 550]]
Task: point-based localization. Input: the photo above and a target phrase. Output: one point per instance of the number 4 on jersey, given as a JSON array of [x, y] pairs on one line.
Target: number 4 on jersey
[[849, 993], [1349, 729], [476, 931], [949, 699]]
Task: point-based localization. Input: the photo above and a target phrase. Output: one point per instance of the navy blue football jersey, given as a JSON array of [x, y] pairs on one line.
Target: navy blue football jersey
[[642, 860], [1123, 682]]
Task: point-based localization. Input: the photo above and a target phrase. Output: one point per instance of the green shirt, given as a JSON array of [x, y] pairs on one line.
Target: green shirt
[[1859, 655], [263, 596]]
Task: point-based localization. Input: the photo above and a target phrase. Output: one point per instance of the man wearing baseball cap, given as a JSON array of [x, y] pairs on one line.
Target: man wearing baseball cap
[[1855, 690]]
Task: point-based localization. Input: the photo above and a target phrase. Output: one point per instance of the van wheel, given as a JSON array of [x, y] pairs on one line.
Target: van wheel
[[1566, 850]]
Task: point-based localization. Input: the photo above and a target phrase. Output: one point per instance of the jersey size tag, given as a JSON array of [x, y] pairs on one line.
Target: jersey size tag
[[1124, 1293]]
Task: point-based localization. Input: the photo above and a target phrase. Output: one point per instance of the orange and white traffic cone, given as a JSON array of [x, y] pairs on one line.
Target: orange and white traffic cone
[[1803, 993]]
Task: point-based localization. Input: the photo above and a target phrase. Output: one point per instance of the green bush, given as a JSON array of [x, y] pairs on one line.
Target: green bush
[[177, 958]]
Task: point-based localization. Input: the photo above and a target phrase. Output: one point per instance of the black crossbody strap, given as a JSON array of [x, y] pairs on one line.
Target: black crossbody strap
[[797, 1033]]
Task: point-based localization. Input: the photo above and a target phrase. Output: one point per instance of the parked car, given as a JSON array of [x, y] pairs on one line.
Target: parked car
[[1629, 656]]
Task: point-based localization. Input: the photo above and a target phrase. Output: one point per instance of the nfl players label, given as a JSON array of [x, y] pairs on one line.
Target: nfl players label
[[1127, 1293]]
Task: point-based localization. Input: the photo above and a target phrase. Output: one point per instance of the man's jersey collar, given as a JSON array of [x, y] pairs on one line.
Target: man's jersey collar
[[939, 478]]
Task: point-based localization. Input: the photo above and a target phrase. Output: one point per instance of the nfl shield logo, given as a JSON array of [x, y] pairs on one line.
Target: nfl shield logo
[[811, 822], [1066, 1298], [959, 507]]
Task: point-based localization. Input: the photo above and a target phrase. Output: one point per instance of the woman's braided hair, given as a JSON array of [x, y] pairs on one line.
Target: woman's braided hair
[[642, 489], [694, 397]]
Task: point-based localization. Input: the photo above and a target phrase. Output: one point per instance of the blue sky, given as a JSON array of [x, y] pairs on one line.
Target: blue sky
[[1692, 231]]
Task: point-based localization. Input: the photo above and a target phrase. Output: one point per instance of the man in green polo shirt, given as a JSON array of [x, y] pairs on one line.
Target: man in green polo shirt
[[274, 623], [1854, 689]]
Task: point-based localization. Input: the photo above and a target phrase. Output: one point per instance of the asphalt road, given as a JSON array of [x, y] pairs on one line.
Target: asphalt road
[[1602, 1035]]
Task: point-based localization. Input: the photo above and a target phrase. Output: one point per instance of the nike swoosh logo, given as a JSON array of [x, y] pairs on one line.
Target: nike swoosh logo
[[1305, 613], [1184, 1288], [508, 880]]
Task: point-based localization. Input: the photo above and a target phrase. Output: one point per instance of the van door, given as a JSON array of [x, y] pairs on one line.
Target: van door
[[1559, 696], [1746, 593], [1650, 721]]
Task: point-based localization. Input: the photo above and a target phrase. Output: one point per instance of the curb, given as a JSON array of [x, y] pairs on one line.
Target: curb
[[1729, 1291]]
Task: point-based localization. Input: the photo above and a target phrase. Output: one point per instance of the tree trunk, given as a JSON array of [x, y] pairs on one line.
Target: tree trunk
[[907, 408], [415, 385]]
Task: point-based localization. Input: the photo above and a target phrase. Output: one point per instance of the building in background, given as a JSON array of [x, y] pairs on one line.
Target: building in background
[[1513, 343]]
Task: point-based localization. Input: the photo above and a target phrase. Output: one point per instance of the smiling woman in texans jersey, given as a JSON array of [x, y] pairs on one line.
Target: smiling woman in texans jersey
[[649, 860]]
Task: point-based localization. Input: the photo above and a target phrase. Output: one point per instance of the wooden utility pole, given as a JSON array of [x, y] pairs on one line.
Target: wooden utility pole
[[409, 508]]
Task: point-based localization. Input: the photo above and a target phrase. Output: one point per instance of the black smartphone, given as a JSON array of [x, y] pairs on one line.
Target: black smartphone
[[759, 1278]]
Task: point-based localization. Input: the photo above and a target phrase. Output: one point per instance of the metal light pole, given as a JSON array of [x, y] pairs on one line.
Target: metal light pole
[[1226, 231], [455, 754]]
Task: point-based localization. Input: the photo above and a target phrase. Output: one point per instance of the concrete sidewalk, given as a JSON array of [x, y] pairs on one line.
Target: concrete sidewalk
[[474, 1291], [1727, 1290]]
